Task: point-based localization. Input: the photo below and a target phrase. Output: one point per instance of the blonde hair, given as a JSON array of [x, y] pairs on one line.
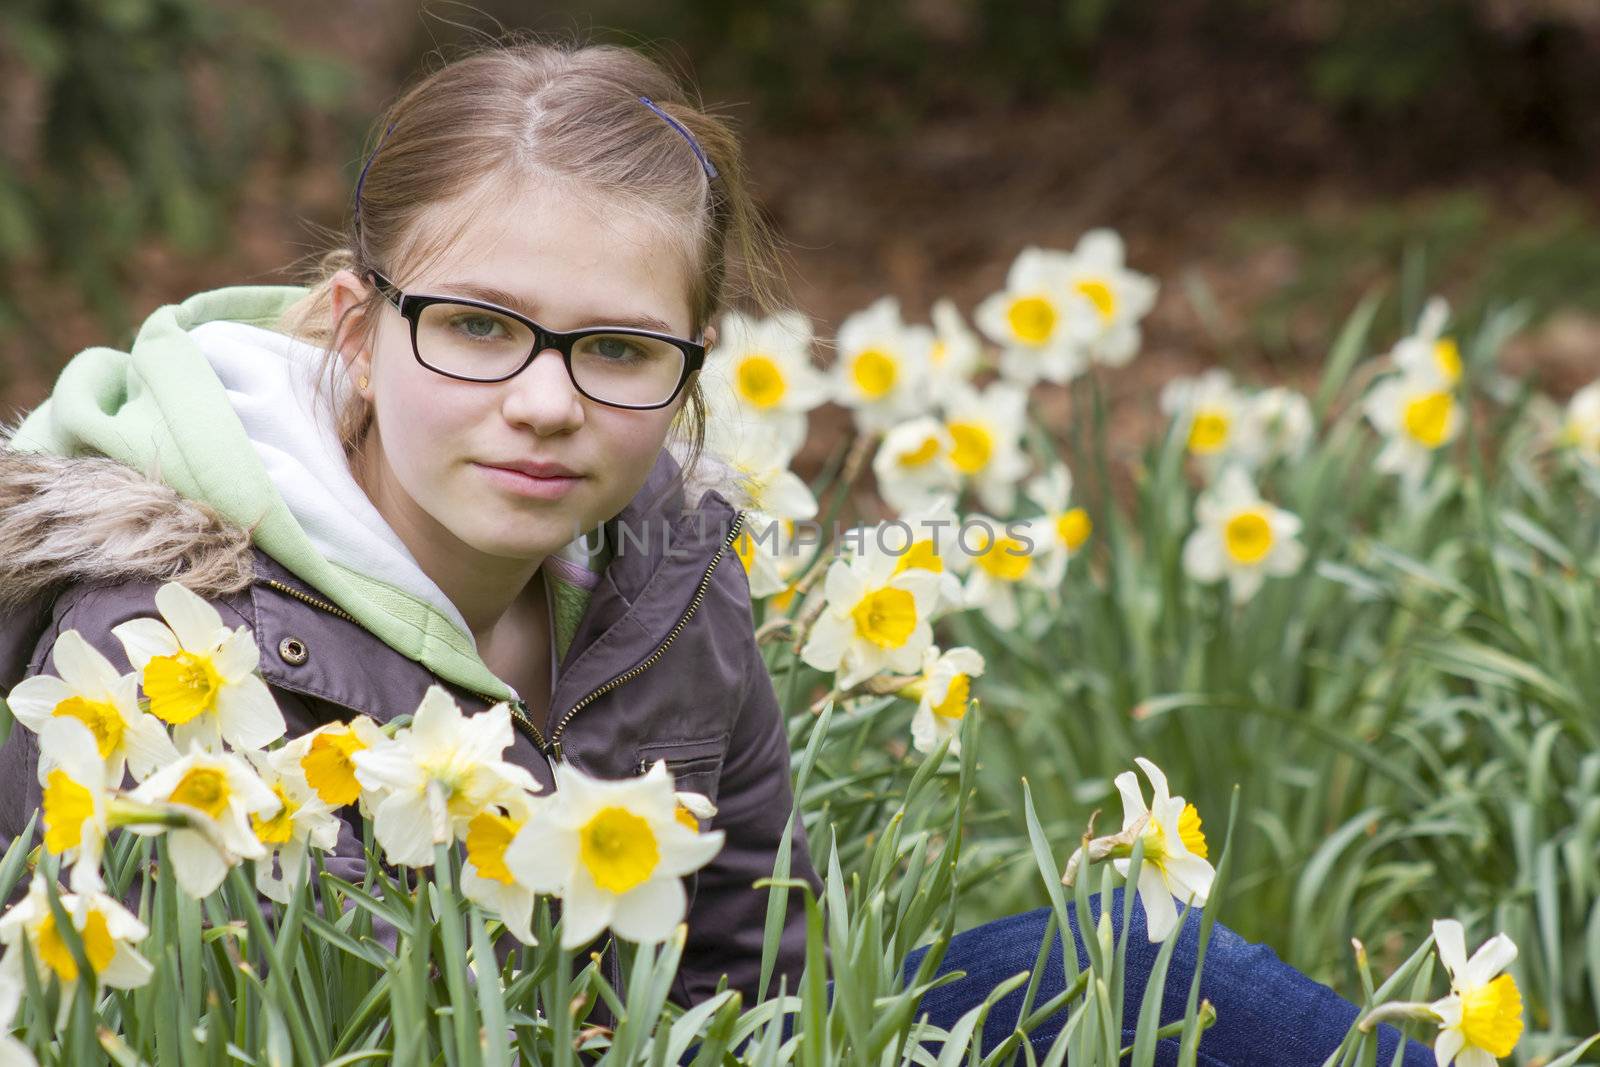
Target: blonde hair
[[523, 108]]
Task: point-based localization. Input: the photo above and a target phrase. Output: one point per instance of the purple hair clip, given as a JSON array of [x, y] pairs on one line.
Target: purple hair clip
[[711, 172], [362, 180]]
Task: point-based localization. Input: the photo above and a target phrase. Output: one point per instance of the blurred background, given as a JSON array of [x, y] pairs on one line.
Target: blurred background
[[1270, 161]]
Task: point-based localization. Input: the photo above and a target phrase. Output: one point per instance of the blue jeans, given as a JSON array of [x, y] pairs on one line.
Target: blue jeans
[[1268, 1013]]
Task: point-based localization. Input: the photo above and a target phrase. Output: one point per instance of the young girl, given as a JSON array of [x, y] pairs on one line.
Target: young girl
[[393, 479]]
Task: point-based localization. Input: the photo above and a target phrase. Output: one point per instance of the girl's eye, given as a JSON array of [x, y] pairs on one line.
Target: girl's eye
[[615, 348], [477, 327]]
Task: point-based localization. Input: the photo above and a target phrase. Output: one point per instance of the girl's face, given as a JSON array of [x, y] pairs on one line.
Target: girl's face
[[436, 464]]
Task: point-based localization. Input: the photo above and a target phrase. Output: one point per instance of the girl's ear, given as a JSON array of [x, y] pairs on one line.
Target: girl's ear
[[711, 339], [346, 295]]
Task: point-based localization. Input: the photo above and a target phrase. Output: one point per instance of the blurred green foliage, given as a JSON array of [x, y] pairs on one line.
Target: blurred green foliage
[[139, 120]]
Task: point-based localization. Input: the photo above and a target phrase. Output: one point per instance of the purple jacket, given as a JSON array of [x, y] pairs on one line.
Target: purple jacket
[[663, 665]]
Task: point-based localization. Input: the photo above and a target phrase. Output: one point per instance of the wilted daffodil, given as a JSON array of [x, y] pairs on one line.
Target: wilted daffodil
[[1241, 537], [876, 617], [224, 797], [108, 932], [615, 852], [427, 783], [882, 365], [200, 675], [89, 690], [1174, 863], [1037, 319], [943, 694], [1480, 1020]]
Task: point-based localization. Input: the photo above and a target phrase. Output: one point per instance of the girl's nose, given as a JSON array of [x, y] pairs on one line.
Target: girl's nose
[[543, 397]]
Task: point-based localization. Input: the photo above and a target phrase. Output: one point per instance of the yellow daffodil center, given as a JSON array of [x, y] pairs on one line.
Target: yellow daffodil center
[[97, 946], [488, 834], [745, 548], [954, 704], [875, 372], [920, 556], [1208, 432], [760, 381], [67, 806], [1491, 1016], [923, 454], [618, 849], [886, 617], [686, 817], [1447, 356], [1100, 295], [1194, 839], [1073, 528], [1248, 536], [101, 717], [278, 828], [1427, 418], [203, 788], [781, 601], [1005, 558], [1032, 319], [329, 769], [181, 686], [973, 446]]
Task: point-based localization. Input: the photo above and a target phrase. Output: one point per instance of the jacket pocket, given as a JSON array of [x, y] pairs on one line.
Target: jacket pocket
[[696, 766]]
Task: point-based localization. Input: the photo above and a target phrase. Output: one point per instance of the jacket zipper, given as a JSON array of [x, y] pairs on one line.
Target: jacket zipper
[[554, 751], [519, 709]]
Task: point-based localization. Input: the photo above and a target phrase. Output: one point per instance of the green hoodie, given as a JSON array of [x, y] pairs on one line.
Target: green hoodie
[[162, 409]]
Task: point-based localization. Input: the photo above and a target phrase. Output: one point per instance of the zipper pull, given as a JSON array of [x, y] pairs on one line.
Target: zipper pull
[[554, 752]]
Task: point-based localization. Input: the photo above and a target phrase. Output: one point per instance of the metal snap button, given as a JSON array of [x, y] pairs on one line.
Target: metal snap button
[[293, 651]]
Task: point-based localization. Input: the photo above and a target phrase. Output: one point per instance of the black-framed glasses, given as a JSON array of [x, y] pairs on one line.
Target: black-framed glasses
[[474, 341]]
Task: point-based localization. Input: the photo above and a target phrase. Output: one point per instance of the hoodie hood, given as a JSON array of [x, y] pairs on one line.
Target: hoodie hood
[[211, 441]]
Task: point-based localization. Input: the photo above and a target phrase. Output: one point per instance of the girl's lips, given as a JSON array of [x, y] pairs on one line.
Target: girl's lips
[[527, 485]]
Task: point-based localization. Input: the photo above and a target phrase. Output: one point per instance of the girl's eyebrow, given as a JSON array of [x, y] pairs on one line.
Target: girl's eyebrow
[[492, 295]]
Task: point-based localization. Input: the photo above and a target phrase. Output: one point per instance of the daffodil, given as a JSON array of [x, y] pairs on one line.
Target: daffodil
[[1175, 863], [875, 617], [1110, 297], [1241, 537], [767, 551], [107, 930], [223, 797], [326, 758], [1428, 354], [761, 372], [1000, 559], [882, 366], [200, 675], [436, 774], [926, 539], [1062, 530], [485, 878], [1038, 319], [303, 821], [943, 693], [89, 690], [956, 353], [758, 477], [1480, 1021], [1580, 429], [1274, 424], [75, 798], [615, 851], [986, 431], [1418, 416], [1207, 410], [913, 465]]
